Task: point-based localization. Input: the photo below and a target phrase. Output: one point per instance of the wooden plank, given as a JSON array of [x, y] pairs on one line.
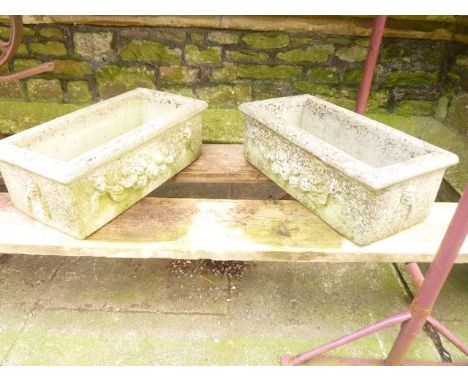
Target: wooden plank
[[252, 230], [221, 163]]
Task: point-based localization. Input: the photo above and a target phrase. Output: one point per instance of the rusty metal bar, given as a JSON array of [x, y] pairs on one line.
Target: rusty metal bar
[[371, 61], [9, 49]]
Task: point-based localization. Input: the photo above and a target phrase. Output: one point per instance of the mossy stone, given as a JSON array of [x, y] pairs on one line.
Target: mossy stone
[[227, 73], [17, 116], [457, 116], [222, 37], [302, 40], [441, 108], [49, 48], [5, 32], [196, 55], [150, 51], [113, 80], [178, 74], [324, 75], [266, 41], [265, 71], [11, 90], [73, 68], [93, 45], [352, 54], [315, 89], [22, 50], [51, 32], [180, 90], [415, 107], [407, 78], [461, 61], [237, 56], [398, 51], [315, 55], [225, 96], [44, 90], [22, 64], [197, 38], [223, 126], [78, 91]]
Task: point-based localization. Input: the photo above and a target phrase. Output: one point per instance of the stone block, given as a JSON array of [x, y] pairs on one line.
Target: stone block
[[113, 80]]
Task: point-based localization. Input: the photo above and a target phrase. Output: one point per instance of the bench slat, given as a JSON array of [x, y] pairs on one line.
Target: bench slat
[[252, 230]]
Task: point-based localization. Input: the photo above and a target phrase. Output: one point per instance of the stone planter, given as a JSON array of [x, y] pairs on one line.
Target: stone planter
[[367, 180], [77, 172]]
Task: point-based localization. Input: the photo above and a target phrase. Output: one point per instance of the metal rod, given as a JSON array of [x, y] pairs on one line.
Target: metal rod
[[42, 68], [389, 321], [416, 273], [448, 334], [371, 61], [423, 303]]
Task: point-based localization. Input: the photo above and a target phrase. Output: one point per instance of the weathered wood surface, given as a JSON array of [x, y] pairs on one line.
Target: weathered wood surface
[[223, 230], [221, 163]]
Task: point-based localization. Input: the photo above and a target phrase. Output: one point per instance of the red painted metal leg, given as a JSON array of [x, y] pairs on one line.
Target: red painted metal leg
[[385, 323], [371, 61], [418, 278], [423, 303]]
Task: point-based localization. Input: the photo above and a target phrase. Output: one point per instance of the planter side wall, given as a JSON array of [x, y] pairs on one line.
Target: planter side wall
[[86, 204], [357, 212]]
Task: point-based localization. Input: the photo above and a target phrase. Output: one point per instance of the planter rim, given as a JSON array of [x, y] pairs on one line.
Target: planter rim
[[65, 171], [376, 178]]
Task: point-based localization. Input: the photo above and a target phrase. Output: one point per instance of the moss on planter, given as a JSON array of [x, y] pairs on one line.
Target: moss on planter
[[113, 80], [144, 50]]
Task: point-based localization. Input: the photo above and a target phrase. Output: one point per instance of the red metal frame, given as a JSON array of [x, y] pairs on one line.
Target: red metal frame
[[413, 319]]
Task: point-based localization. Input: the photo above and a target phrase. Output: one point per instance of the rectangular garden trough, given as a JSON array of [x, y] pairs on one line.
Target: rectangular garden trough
[[79, 171], [365, 179]]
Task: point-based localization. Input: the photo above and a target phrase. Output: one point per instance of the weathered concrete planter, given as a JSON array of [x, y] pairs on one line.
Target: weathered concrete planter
[[367, 180], [79, 171]]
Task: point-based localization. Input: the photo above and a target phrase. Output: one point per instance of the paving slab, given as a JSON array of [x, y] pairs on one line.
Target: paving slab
[[133, 312], [153, 285]]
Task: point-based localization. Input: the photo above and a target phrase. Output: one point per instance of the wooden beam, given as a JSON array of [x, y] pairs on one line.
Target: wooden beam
[[252, 230]]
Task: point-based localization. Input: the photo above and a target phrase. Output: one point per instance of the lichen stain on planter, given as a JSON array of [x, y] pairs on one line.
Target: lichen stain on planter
[[79, 178], [363, 178]]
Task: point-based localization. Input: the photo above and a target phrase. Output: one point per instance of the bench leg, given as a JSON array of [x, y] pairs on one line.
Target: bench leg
[[413, 320]]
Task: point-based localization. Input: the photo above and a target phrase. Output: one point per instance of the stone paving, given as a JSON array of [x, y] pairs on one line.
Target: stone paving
[[96, 311]]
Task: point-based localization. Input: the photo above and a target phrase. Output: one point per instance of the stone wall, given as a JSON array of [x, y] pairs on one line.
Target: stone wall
[[227, 67]]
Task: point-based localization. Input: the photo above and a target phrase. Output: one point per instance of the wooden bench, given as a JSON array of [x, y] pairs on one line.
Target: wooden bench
[[250, 230]]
